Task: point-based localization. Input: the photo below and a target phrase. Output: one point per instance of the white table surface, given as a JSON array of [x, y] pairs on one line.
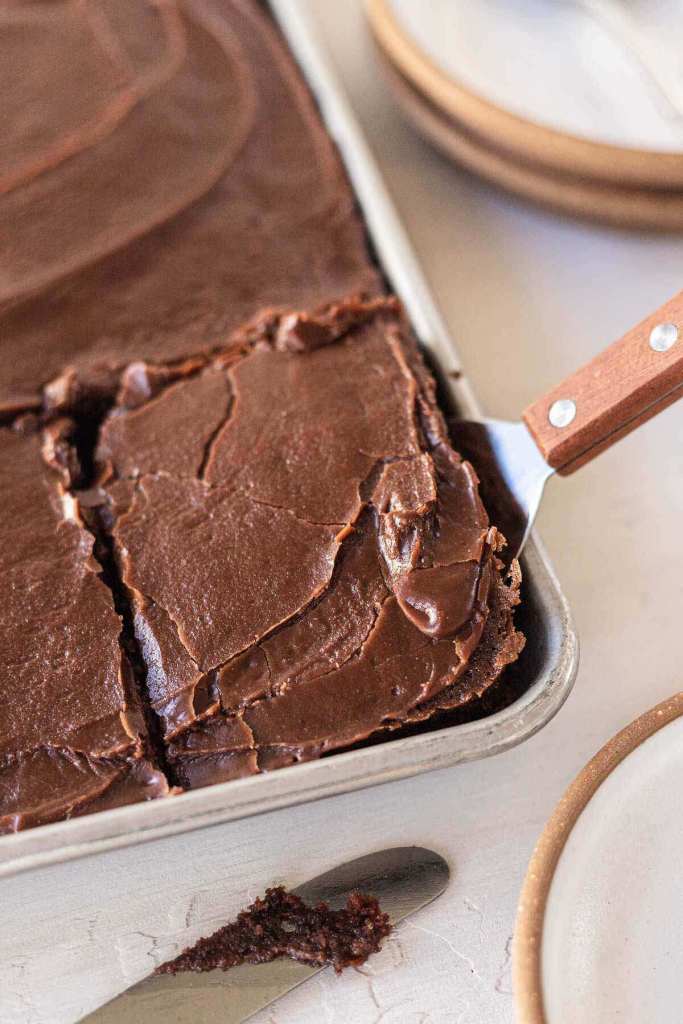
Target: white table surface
[[528, 296]]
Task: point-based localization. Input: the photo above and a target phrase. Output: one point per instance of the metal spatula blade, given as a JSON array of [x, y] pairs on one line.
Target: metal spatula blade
[[628, 383], [512, 474]]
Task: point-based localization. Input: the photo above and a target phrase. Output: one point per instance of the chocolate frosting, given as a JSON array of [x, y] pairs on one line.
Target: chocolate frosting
[[147, 216], [303, 560], [307, 566], [71, 729]]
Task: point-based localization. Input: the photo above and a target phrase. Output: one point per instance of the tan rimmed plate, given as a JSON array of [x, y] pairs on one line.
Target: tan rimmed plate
[[611, 204], [599, 932], [542, 84]]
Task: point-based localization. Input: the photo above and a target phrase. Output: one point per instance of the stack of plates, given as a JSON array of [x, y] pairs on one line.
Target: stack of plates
[[577, 104]]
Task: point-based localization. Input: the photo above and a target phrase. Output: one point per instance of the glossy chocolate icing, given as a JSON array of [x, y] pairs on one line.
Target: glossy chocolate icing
[[145, 217], [71, 728], [308, 558], [304, 559]]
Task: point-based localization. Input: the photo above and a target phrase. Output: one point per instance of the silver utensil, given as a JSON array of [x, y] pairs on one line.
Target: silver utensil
[[403, 879], [512, 474], [629, 382]]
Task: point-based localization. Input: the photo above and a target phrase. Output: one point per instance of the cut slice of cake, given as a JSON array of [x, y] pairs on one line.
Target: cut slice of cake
[[308, 558]]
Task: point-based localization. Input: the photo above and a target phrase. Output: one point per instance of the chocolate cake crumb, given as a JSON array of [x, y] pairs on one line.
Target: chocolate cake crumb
[[315, 467], [282, 925]]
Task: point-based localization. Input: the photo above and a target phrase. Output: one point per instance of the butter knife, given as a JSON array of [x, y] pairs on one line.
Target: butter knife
[[403, 879]]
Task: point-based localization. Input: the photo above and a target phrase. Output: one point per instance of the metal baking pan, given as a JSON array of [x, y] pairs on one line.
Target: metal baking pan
[[549, 663]]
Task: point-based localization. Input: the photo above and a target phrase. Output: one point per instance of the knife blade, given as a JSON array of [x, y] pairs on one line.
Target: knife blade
[[403, 879]]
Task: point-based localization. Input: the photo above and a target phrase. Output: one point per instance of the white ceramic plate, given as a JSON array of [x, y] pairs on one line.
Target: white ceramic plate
[[605, 70], [590, 89], [643, 208], [600, 925]]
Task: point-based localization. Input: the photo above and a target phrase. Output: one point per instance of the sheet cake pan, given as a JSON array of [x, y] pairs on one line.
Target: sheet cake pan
[[551, 657]]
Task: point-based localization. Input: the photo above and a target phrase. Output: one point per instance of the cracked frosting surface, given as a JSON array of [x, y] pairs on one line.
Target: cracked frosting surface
[[303, 561], [311, 563], [71, 729], [145, 217]]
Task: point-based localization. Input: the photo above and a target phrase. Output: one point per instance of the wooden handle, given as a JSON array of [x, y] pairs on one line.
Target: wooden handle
[[627, 384]]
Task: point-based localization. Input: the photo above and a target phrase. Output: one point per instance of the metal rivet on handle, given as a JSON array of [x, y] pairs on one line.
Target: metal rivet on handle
[[562, 412], [663, 336]]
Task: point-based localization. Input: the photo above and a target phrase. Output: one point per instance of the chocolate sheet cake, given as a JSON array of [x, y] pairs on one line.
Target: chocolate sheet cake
[[308, 559], [235, 533], [71, 727], [190, 185]]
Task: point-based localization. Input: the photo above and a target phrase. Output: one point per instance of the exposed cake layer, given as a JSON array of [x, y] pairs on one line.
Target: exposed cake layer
[[280, 924], [145, 217], [308, 558], [72, 736]]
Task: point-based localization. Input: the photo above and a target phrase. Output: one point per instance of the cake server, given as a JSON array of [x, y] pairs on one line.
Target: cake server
[[628, 383], [403, 879]]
